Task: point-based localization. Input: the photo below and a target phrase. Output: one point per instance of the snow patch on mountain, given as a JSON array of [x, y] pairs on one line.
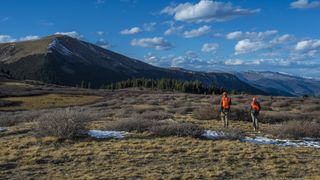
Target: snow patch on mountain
[[55, 45]]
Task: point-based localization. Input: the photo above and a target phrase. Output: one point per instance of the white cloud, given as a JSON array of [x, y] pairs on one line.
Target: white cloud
[[103, 43], [247, 45], [157, 43], [197, 32], [134, 30], [6, 38], [234, 35], [206, 11], [72, 34], [151, 59], [101, 33], [307, 45], [282, 39], [149, 27], [209, 47], [304, 4], [173, 30], [28, 38], [251, 34], [234, 62]]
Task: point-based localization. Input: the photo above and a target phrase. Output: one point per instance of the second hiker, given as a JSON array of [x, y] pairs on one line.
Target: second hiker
[[254, 111], [225, 109]]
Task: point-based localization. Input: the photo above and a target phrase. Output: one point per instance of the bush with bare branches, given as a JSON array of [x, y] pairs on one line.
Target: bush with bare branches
[[64, 124]]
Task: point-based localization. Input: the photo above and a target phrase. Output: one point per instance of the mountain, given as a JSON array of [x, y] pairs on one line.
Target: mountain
[[280, 83], [68, 61]]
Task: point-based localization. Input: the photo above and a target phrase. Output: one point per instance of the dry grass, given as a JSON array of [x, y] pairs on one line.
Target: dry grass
[[295, 129], [141, 157], [48, 101], [144, 155]]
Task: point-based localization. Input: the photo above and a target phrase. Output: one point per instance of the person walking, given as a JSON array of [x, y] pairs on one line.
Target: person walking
[[225, 109], [254, 111]]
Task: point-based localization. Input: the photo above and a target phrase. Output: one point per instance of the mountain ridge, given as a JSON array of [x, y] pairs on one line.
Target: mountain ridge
[[64, 60]]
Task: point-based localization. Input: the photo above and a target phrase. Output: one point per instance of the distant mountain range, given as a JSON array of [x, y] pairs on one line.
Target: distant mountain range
[[68, 61], [280, 83]]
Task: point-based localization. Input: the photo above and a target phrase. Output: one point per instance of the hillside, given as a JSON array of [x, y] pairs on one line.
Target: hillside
[[68, 61]]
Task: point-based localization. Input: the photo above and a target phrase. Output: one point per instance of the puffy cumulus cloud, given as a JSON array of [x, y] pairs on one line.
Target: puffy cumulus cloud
[[103, 43], [209, 47], [134, 30], [282, 39], [197, 32], [307, 45], [152, 59], [234, 35], [173, 30], [190, 60], [247, 45], [304, 4], [234, 62], [28, 38], [149, 27], [73, 34], [206, 11], [251, 35], [306, 50], [157, 43], [6, 38]]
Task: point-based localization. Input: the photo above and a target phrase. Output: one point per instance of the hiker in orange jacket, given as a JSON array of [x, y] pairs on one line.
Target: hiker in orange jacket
[[254, 111], [225, 109]]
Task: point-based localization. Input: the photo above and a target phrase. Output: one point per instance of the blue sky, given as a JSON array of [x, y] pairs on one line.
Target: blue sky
[[207, 35]]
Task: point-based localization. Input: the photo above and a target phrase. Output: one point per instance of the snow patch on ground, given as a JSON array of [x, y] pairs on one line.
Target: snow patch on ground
[[306, 142], [209, 134], [107, 134], [2, 129]]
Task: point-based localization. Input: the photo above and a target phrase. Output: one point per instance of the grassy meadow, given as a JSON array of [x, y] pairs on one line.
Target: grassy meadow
[[24, 154]]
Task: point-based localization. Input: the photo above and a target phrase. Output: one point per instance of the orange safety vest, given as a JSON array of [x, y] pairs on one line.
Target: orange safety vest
[[255, 106], [225, 102]]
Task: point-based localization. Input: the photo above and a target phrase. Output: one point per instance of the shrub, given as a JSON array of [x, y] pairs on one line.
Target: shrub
[[132, 124], [232, 133], [124, 113], [177, 129], [14, 118], [155, 115], [239, 113], [310, 107], [206, 112], [64, 124], [280, 103], [5, 103], [296, 129], [276, 117]]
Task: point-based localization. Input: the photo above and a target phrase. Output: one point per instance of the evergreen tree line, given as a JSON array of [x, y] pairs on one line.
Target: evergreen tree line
[[7, 72], [195, 87]]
